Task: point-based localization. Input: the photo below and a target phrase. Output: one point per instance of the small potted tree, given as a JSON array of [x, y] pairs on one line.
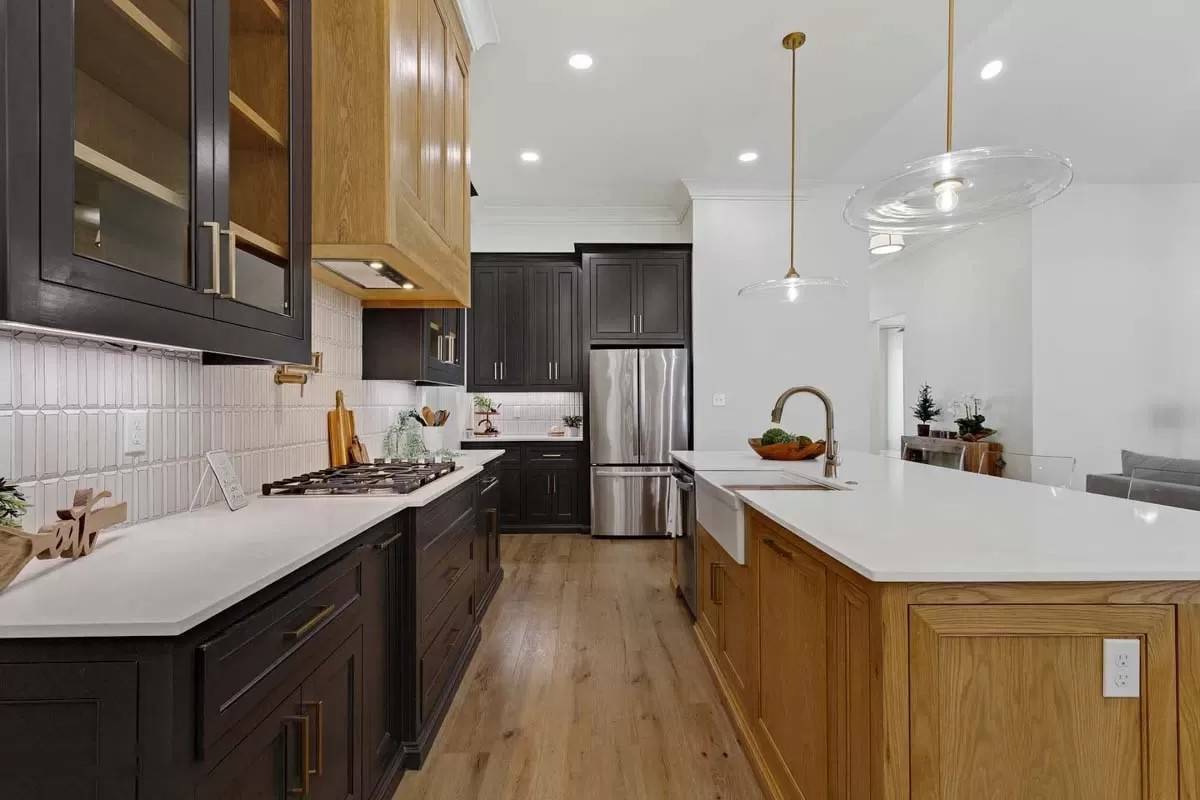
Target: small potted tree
[[926, 410]]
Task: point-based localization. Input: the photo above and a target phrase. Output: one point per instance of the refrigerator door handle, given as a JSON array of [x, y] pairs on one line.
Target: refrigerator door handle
[[634, 473]]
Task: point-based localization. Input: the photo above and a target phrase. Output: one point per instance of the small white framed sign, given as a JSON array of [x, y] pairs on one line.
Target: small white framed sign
[[226, 476]]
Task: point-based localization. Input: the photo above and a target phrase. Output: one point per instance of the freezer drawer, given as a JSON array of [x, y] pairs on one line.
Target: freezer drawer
[[630, 501]]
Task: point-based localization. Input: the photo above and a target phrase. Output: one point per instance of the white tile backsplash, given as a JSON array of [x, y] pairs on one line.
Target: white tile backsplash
[[534, 412], [61, 426]]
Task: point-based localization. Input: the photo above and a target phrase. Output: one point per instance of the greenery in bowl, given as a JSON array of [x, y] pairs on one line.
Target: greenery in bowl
[[12, 504]]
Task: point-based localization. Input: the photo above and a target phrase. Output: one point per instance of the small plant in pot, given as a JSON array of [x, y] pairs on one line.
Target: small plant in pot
[[12, 504], [970, 420], [926, 410], [573, 421]]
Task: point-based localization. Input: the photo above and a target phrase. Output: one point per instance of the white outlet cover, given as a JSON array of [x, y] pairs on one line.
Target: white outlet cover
[[135, 432], [1122, 668], [719, 400]]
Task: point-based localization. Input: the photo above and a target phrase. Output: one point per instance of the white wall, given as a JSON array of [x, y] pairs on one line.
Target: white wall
[[1116, 299], [561, 229], [967, 305], [751, 352]]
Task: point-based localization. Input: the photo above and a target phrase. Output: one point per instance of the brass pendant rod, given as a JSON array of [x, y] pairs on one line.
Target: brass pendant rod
[[950, 82], [792, 199]]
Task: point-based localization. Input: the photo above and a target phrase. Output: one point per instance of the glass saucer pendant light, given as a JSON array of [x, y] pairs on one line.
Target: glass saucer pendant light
[[792, 287], [958, 188]]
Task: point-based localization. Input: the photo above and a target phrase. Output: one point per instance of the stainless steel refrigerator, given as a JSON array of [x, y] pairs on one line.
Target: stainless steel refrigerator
[[640, 411]]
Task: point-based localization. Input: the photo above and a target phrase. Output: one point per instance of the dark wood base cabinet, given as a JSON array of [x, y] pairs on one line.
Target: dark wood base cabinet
[[542, 486], [328, 684]]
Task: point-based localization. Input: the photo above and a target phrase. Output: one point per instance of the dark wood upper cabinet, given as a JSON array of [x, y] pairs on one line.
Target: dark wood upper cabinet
[[165, 182], [662, 298], [525, 326], [614, 302], [638, 297], [496, 327], [552, 330], [422, 345]]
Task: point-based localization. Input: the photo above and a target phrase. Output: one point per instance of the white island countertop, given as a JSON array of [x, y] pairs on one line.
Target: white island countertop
[[165, 576], [907, 522]]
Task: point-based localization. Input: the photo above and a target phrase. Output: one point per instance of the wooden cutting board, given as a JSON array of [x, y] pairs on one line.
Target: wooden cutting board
[[341, 432]]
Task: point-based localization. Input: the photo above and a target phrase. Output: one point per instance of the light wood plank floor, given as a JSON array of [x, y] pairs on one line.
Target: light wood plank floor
[[588, 684]]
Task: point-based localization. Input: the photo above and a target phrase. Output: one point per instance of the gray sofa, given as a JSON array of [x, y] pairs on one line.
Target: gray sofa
[[1166, 481]]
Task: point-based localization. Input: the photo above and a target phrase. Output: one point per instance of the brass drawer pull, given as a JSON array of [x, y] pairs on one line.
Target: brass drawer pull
[[320, 708], [388, 542], [771, 543], [305, 743], [312, 623]]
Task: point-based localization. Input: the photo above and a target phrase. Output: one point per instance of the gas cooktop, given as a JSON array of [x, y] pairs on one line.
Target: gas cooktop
[[380, 478]]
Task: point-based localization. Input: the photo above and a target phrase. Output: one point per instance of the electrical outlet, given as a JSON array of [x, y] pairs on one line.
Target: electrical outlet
[[719, 400], [135, 432], [1122, 668]]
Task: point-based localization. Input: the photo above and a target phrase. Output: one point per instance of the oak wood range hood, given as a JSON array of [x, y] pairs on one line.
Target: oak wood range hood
[[391, 194]]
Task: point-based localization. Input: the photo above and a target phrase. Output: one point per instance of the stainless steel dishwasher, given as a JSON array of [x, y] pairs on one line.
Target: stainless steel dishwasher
[[686, 546]]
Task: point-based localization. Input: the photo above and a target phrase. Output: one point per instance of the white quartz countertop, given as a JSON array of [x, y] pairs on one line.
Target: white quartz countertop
[[917, 523], [164, 577], [725, 460], [521, 437]]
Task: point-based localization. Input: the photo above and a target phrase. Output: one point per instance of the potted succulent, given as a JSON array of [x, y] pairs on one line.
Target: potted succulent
[[573, 421], [926, 410]]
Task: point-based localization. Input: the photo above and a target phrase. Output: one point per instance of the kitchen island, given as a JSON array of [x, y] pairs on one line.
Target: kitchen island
[[937, 634]]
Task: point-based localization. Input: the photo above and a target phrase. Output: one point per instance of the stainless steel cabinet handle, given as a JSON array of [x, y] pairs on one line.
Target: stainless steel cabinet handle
[[232, 264], [215, 230], [451, 348], [439, 349], [555, 370], [501, 370], [551, 455], [495, 368], [549, 370]]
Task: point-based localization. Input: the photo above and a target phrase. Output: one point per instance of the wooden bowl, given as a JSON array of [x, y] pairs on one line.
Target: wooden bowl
[[788, 451]]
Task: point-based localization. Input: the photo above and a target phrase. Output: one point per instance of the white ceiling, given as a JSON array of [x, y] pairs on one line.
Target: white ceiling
[[680, 87]]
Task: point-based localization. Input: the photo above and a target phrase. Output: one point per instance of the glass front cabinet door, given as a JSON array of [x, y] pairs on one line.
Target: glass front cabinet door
[[167, 158]]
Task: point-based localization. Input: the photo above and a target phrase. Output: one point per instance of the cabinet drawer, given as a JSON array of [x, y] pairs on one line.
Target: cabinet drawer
[[435, 520], [433, 588], [430, 556], [439, 658], [245, 662], [551, 454]]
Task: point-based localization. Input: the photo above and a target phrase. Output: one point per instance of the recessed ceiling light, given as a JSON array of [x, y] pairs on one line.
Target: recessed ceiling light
[[580, 61], [376, 265], [407, 285], [748, 157], [991, 69], [530, 156]]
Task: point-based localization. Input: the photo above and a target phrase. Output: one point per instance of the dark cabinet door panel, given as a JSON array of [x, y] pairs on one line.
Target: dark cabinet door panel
[[88, 711], [613, 301], [332, 699], [512, 326], [484, 327], [566, 327], [662, 295], [269, 764], [512, 494], [540, 346]]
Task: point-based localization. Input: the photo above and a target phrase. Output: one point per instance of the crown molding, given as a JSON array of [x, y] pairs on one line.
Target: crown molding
[[704, 190], [579, 215], [480, 22]]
